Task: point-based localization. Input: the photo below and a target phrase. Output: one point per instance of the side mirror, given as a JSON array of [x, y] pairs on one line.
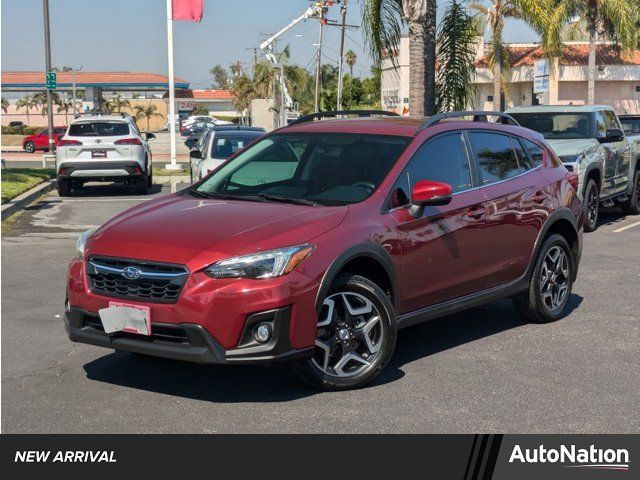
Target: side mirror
[[190, 143], [195, 154], [614, 135], [427, 193], [150, 136]]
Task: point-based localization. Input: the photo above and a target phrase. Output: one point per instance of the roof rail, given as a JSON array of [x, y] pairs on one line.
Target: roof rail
[[336, 113], [478, 116], [100, 113]]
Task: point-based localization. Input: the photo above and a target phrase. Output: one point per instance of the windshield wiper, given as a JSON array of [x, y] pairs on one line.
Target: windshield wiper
[[295, 201]]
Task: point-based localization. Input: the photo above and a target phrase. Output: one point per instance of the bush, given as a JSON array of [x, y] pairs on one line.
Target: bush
[[21, 130]]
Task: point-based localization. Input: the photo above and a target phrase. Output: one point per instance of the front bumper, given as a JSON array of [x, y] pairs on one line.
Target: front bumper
[[191, 342]]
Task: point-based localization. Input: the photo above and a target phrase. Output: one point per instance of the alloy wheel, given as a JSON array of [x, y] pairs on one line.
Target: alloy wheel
[[592, 206], [350, 334], [554, 278]]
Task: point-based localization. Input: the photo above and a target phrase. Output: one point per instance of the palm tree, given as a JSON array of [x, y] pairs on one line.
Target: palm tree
[[612, 18], [65, 105], [115, 104], [351, 58], [383, 21], [147, 112], [27, 102], [5, 105], [40, 100], [457, 39]]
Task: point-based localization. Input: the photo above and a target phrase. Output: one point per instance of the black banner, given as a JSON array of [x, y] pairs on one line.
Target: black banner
[[459, 457]]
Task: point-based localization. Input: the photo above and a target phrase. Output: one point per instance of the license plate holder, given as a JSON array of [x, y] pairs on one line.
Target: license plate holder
[[125, 317], [98, 154]]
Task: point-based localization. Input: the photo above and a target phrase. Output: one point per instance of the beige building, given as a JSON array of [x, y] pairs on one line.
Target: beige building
[[617, 78]]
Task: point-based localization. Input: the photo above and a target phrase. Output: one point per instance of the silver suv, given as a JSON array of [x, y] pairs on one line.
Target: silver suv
[[103, 148]]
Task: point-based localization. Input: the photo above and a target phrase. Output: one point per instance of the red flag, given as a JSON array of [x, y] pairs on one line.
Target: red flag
[[190, 10]]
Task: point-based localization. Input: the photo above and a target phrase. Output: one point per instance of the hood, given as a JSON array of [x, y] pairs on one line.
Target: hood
[[572, 147], [196, 232]]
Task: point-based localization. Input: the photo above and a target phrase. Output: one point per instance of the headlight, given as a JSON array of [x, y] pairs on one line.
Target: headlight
[[81, 242], [269, 264]]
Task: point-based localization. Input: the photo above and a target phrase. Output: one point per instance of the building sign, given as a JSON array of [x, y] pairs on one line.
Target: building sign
[[186, 105], [540, 76], [391, 99]]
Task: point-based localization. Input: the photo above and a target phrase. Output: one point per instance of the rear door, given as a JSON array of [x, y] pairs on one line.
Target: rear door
[[98, 140], [440, 258], [513, 194], [622, 152]]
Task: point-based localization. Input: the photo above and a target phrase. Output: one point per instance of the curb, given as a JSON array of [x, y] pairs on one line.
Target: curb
[[166, 179], [24, 199]]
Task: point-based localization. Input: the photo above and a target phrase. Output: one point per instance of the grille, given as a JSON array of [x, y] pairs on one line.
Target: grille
[[161, 333], [155, 282]]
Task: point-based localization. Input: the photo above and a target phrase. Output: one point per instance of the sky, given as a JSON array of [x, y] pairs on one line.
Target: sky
[[130, 35]]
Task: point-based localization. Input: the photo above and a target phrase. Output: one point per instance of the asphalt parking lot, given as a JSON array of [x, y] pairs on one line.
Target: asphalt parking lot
[[483, 370]]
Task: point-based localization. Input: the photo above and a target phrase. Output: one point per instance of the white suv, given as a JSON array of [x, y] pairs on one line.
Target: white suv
[[103, 148]]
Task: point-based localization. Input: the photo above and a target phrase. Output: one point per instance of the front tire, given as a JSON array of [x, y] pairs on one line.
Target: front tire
[[356, 336], [632, 205], [591, 206], [551, 283], [29, 147]]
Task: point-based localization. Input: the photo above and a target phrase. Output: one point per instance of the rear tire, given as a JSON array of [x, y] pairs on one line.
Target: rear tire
[[64, 188], [29, 147], [356, 336], [142, 187], [632, 205], [591, 206], [551, 283]]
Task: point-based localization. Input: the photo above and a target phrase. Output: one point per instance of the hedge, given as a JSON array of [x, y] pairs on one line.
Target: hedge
[[21, 130]]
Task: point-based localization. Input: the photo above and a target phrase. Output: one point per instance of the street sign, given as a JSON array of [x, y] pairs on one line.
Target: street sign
[[540, 76], [50, 80]]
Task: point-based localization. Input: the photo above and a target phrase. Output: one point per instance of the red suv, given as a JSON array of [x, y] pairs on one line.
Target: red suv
[[317, 242], [40, 140]]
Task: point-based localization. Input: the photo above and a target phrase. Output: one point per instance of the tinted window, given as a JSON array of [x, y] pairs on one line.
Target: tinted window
[[535, 153], [225, 146], [495, 155], [556, 125], [99, 129], [631, 126], [329, 169]]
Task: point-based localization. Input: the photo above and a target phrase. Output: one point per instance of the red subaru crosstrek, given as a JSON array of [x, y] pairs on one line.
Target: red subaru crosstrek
[[316, 243], [40, 140]]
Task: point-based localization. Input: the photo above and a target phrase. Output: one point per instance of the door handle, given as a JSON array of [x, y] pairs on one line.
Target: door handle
[[476, 213]]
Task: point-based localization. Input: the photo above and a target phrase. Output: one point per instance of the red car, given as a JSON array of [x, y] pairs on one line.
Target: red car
[[40, 140], [315, 244]]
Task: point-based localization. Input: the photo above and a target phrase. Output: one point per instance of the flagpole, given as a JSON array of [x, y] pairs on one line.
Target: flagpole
[[172, 94]]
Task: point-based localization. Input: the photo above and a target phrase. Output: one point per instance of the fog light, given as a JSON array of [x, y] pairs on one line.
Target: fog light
[[262, 333]]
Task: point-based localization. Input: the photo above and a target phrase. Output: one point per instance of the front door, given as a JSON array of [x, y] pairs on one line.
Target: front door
[[440, 258]]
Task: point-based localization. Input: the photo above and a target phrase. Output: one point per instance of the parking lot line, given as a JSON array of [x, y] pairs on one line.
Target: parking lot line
[[619, 230]]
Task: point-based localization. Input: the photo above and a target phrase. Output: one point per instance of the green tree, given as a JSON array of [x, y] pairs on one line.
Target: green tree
[[220, 77], [115, 104], [5, 104], [146, 112], [27, 102], [457, 40], [383, 22], [65, 105], [351, 59]]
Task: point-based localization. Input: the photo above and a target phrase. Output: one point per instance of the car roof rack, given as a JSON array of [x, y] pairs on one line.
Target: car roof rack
[[100, 113], [336, 113], [478, 116]]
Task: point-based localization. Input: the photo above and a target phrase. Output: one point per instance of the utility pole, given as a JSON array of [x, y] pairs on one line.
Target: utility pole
[[343, 27], [47, 61], [316, 100], [75, 109]]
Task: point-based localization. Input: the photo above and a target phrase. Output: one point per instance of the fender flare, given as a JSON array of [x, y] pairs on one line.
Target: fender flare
[[560, 214], [590, 168], [370, 250]]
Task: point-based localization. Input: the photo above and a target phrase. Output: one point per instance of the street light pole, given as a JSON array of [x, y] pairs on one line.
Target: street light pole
[[75, 100], [316, 101], [341, 60], [47, 61]]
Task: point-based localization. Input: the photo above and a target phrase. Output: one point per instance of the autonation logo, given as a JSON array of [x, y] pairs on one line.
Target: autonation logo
[[573, 457]]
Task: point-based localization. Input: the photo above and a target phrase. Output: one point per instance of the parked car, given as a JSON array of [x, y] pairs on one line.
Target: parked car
[[40, 140], [631, 125], [196, 128], [318, 242], [591, 142], [189, 121], [220, 144], [103, 148], [16, 123]]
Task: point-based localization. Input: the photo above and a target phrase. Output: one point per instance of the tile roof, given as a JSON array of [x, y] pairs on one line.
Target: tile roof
[[204, 94], [90, 78], [573, 55]]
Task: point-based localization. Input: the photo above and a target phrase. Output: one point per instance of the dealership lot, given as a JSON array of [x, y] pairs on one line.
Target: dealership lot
[[482, 370]]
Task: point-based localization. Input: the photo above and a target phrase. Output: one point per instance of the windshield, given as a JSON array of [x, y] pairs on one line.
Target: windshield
[[223, 147], [556, 125], [99, 129], [309, 168], [631, 126]]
